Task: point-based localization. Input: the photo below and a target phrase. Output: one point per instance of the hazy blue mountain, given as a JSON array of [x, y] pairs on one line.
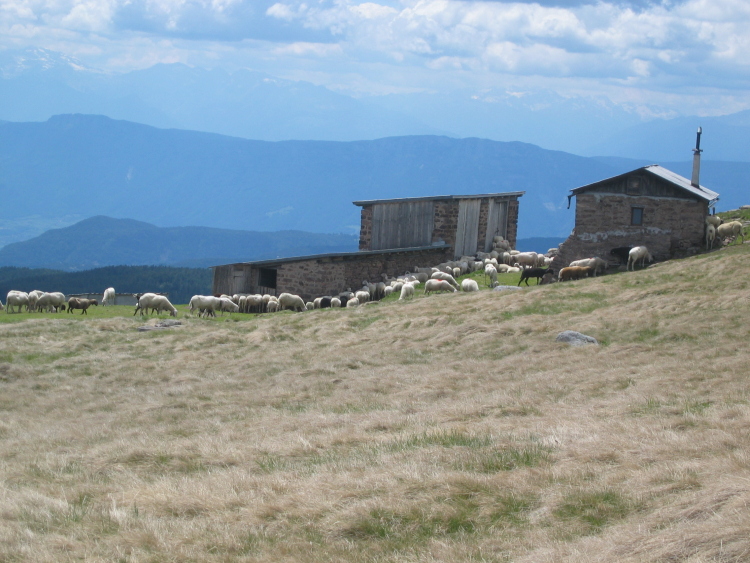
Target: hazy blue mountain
[[82, 166], [104, 241], [36, 84]]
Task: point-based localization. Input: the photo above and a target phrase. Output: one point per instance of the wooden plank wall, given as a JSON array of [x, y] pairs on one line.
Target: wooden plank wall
[[402, 225], [497, 221], [467, 232]]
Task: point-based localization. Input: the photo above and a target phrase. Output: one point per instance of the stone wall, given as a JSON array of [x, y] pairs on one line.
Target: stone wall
[[365, 229], [671, 227], [512, 229], [446, 222], [330, 276]]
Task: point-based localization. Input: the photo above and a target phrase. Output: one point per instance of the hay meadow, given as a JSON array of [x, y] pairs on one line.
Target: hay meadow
[[451, 428]]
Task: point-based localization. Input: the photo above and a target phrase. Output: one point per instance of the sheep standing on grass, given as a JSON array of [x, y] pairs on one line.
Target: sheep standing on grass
[[491, 272], [109, 297], [16, 299], [469, 285], [638, 253], [290, 301], [731, 231], [438, 285], [710, 236], [407, 290], [204, 304], [82, 304]]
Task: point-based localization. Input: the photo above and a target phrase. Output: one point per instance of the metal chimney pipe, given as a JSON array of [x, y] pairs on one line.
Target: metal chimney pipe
[[695, 180]]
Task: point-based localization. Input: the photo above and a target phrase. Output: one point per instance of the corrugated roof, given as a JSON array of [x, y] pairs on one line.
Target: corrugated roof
[[437, 197], [663, 173], [277, 261]]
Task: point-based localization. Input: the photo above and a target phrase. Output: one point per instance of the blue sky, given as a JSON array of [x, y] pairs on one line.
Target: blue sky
[[656, 58]]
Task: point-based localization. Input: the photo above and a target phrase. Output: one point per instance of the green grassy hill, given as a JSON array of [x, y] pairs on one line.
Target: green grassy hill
[[449, 428]]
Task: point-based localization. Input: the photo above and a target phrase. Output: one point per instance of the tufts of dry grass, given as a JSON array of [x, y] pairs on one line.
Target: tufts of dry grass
[[448, 428]]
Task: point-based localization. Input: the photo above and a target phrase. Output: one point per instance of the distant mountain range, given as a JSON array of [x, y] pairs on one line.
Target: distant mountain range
[[78, 166], [36, 84], [104, 241]]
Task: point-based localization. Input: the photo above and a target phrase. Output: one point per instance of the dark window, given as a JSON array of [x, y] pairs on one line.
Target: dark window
[[267, 278], [636, 215]]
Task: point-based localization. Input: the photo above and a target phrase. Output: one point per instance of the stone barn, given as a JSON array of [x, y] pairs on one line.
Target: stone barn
[[395, 236], [650, 206]]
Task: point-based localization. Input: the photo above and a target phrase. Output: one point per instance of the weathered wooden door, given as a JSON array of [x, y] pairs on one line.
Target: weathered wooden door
[[467, 231], [497, 222], [402, 225]]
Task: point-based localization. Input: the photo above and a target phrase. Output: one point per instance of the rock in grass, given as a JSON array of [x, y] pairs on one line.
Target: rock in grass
[[166, 323], [506, 287], [575, 338]]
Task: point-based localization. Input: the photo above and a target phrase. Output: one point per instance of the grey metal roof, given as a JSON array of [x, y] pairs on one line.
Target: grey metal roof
[[663, 173], [507, 195], [277, 261]]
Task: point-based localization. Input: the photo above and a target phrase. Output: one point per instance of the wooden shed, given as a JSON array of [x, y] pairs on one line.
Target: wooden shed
[[467, 223], [649, 206]]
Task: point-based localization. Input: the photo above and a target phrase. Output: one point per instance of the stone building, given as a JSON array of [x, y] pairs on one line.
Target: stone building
[[650, 206], [395, 236]]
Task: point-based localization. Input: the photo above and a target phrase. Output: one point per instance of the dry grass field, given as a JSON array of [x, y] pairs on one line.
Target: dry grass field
[[451, 428]]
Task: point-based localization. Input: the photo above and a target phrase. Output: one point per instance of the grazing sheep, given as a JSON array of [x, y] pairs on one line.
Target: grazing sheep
[[491, 271], [537, 273], [731, 230], [445, 277], [710, 236], [225, 305], [205, 304], [407, 290], [160, 303], [325, 302], [82, 304], [33, 298], [16, 299], [336, 302], [638, 253], [438, 285], [353, 302], [574, 273], [469, 285], [253, 303], [362, 295], [51, 302], [389, 290], [272, 306], [109, 297], [526, 259], [596, 263], [290, 301]]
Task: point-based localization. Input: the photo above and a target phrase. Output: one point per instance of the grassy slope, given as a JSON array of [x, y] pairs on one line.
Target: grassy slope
[[448, 428]]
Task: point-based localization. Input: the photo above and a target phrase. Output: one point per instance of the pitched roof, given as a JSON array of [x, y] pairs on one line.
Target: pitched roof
[[507, 195], [671, 177]]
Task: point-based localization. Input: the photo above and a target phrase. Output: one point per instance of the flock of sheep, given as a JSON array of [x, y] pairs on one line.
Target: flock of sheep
[[437, 279]]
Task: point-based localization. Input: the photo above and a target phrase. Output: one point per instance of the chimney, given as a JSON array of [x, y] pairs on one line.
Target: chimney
[[697, 160]]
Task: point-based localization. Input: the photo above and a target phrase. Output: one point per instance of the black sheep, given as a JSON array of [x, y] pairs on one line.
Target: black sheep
[[537, 273]]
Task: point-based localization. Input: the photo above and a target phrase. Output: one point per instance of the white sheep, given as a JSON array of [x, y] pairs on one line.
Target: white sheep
[[469, 285], [205, 304], [336, 302], [50, 301], [491, 272], [526, 259], [229, 306], [638, 253], [109, 297], [710, 236], [16, 299], [714, 220], [353, 302], [445, 277], [290, 301], [272, 306], [598, 265], [731, 230], [362, 295], [407, 290], [157, 303], [389, 290], [33, 298], [438, 285]]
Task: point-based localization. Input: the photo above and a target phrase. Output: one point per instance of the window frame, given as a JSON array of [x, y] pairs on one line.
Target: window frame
[[636, 212]]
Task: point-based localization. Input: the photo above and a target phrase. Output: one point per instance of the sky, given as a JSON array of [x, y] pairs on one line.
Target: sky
[[667, 58]]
